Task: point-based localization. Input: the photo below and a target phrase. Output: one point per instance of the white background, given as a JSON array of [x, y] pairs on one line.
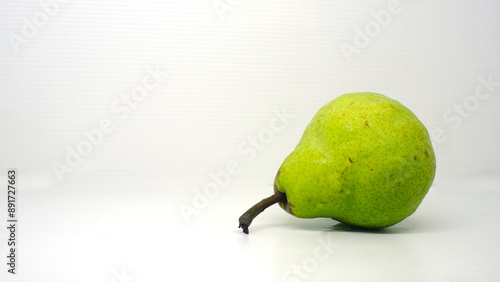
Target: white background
[[109, 207]]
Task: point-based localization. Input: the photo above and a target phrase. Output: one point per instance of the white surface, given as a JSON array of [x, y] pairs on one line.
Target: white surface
[[234, 92], [96, 234]]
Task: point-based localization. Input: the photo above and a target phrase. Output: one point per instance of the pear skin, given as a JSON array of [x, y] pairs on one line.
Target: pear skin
[[364, 160]]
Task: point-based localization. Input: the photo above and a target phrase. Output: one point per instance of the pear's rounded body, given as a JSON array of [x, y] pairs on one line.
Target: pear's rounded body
[[364, 159]]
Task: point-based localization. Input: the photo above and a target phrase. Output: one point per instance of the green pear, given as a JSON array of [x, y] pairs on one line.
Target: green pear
[[364, 160]]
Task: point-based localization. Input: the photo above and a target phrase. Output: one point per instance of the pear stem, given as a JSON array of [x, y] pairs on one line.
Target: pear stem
[[250, 214]]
